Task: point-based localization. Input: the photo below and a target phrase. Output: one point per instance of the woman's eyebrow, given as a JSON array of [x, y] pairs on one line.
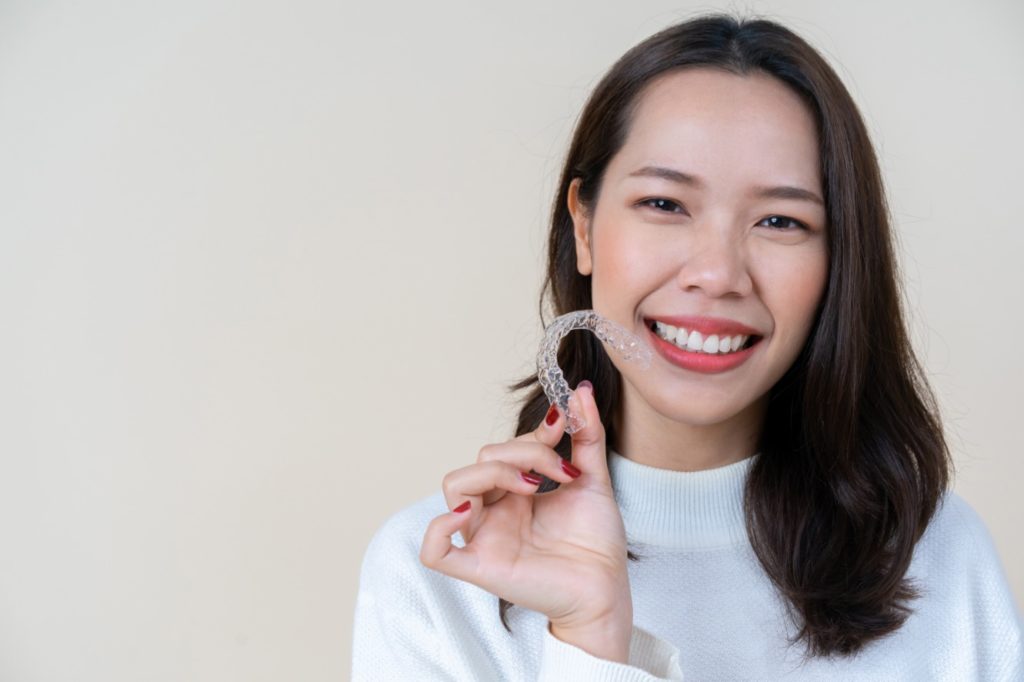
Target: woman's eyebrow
[[788, 192], [668, 174], [780, 192]]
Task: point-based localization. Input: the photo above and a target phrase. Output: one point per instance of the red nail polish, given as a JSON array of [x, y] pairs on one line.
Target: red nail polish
[[531, 478], [552, 416], [570, 469], [462, 507]]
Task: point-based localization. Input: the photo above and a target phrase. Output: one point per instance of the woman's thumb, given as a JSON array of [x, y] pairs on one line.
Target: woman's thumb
[[589, 453]]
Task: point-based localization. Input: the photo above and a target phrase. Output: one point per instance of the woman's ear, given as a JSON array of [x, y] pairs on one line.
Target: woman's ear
[[580, 229]]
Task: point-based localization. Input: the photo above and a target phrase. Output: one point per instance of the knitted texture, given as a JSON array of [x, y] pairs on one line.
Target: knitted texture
[[703, 607]]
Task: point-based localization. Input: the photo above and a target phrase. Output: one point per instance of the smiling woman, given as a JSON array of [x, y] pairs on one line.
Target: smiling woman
[[778, 474]]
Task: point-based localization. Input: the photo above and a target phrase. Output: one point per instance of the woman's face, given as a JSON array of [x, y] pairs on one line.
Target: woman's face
[[712, 209]]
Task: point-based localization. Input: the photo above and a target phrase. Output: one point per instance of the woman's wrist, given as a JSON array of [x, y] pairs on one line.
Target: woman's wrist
[[607, 638]]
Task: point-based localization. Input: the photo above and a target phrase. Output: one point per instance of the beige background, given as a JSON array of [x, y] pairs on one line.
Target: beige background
[[266, 267]]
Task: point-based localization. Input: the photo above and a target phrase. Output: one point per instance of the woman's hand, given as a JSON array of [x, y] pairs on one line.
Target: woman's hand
[[561, 553]]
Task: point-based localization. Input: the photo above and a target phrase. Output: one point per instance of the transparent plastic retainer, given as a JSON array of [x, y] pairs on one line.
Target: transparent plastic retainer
[[618, 338]]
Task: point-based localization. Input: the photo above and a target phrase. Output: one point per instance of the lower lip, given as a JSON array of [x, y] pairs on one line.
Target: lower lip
[[706, 363]]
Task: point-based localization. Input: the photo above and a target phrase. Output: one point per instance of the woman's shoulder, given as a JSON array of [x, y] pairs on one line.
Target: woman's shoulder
[[957, 547], [394, 586], [966, 593], [956, 527], [398, 538]]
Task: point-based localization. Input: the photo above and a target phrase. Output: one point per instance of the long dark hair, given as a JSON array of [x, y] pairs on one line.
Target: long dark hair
[[853, 459]]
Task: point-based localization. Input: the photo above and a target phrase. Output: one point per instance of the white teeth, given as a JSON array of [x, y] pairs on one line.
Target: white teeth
[[695, 342]]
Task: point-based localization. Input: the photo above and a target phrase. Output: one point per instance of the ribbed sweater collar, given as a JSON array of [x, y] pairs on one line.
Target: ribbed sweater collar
[[681, 509]]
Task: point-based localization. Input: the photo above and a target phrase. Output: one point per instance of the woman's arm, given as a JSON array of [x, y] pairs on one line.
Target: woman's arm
[[415, 623]]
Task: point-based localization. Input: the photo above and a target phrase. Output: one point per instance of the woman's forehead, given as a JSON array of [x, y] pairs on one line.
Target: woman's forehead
[[711, 122]]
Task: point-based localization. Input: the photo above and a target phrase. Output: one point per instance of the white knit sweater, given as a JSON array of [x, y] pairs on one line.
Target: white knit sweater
[[703, 607]]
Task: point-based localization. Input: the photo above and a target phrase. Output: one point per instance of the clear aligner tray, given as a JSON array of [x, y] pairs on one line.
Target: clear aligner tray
[[625, 343]]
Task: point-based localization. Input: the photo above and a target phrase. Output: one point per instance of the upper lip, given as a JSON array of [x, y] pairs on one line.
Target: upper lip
[[706, 325]]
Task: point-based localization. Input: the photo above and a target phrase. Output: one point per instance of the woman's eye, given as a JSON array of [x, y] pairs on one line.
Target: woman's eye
[[663, 205], [783, 222]]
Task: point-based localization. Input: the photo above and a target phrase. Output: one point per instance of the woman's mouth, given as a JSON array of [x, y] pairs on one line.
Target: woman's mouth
[[703, 353], [695, 342]]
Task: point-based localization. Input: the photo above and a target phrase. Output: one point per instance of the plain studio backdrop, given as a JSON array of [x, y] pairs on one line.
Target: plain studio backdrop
[[266, 269]]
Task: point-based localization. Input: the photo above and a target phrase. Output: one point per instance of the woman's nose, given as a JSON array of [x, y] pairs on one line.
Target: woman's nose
[[715, 264]]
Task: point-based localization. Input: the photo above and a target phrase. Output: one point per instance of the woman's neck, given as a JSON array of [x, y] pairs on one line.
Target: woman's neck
[[648, 437]]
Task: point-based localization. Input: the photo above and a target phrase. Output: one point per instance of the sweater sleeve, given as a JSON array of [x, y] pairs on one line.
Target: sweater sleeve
[[650, 659]]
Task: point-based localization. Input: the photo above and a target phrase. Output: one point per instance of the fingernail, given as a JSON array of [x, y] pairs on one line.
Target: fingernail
[[462, 507], [530, 478], [570, 469], [585, 384], [552, 416]]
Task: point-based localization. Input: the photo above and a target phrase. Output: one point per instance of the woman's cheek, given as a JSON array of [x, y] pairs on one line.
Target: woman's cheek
[[624, 254], [799, 284]]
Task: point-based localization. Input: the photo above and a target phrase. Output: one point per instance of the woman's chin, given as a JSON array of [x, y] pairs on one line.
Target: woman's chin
[[707, 415]]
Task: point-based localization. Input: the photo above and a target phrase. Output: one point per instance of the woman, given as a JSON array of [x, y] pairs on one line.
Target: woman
[[778, 476]]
